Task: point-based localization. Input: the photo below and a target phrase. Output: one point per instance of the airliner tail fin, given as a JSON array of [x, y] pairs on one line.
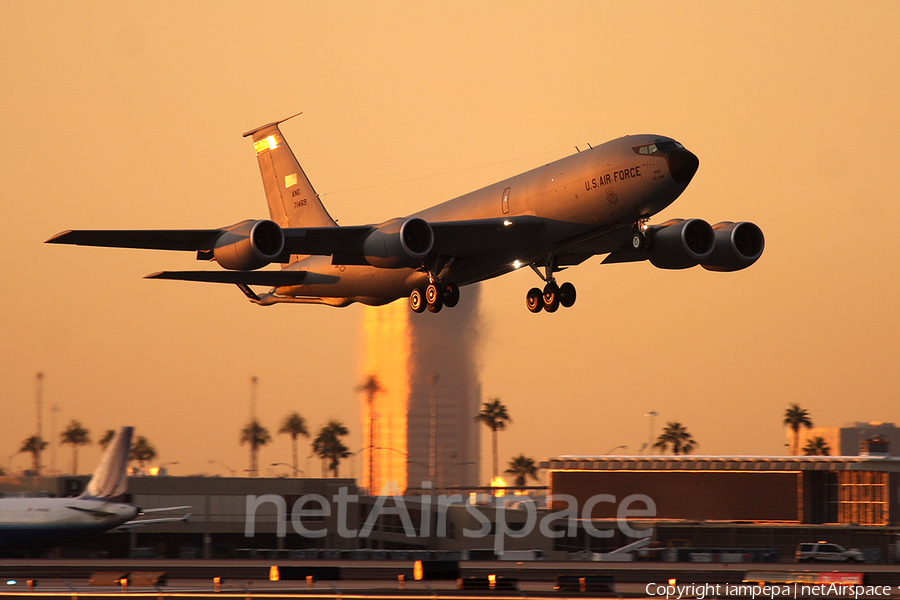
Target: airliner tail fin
[[110, 479]]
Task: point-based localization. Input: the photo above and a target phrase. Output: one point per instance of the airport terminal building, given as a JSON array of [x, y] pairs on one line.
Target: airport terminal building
[[724, 502], [744, 501]]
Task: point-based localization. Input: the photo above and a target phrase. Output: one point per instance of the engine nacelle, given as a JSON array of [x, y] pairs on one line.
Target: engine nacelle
[[249, 245], [738, 245], [680, 244], [399, 243]]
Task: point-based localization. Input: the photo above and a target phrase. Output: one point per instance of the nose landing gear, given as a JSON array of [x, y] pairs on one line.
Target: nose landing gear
[[553, 296]]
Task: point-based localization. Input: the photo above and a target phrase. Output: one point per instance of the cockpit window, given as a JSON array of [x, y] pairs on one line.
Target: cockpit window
[[654, 148]]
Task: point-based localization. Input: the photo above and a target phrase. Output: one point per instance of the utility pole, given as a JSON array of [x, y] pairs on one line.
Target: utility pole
[[39, 392], [53, 410], [651, 414]]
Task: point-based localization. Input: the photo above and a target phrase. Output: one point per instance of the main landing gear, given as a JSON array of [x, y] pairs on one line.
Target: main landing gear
[[553, 295], [434, 297], [438, 293]]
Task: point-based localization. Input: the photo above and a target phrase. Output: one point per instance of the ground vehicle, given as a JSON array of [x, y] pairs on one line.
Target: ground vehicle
[[825, 551]]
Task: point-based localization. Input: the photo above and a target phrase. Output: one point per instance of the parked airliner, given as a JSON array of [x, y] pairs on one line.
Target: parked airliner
[[46, 522], [597, 201]]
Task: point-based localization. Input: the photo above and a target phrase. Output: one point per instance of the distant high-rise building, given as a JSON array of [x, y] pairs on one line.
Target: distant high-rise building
[[848, 440], [421, 424]]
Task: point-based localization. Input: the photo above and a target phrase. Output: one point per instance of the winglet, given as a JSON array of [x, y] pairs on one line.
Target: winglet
[[110, 479]]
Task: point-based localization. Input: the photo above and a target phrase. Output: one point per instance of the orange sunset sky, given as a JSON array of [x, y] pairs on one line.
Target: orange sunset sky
[[129, 115]]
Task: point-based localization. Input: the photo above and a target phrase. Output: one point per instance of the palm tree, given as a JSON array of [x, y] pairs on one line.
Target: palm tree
[[107, 438], [255, 435], [76, 435], [372, 388], [294, 425], [817, 446], [522, 466], [795, 418], [494, 415], [328, 445], [34, 445], [676, 435], [142, 451]]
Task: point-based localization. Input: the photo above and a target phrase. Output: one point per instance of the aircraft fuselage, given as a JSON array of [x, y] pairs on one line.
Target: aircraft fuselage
[[604, 189], [36, 522]]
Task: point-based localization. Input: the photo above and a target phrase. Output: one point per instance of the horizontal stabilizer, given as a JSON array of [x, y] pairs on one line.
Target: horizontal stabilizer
[[270, 278], [152, 239], [144, 522]]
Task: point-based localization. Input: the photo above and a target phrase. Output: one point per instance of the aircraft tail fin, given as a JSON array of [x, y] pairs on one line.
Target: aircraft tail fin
[[110, 479], [292, 200]]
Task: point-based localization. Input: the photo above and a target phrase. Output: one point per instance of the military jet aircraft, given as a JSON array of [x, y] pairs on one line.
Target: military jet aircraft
[[595, 202]]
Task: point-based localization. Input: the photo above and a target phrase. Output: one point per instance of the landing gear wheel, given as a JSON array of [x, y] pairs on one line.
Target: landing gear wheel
[[638, 241], [451, 294], [534, 300], [432, 293], [417, 300], [436, 306], [551, 297], [567, 295], [434, 298]]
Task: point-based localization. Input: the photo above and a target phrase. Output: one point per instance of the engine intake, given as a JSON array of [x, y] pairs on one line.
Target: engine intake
[[680, 244], [249, 245], [738, 245], [399, 243]]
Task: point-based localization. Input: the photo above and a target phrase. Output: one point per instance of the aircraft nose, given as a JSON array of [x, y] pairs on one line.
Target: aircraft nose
[[682, 165]]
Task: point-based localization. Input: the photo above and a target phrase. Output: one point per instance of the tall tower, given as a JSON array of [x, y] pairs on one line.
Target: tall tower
[[423, 426]]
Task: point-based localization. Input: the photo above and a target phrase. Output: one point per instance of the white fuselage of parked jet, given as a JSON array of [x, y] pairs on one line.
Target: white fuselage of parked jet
[[29, 522]]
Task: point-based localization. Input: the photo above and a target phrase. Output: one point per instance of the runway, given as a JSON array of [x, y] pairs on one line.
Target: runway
[[383, 579]]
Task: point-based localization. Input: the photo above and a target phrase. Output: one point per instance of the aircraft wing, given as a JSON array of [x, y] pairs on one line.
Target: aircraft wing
[[470, 238], [451, 238], [307, 240], [151, 239], [458, 239]]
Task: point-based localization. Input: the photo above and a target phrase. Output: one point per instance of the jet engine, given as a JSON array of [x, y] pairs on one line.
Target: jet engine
[[249, 245], [679, 243], [737, 246], [399, 243]]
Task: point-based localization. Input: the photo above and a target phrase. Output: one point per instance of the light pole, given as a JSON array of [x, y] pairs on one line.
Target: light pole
[[288, 466], [160, 468], [213, 461], [652, 414], [611, 450]]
